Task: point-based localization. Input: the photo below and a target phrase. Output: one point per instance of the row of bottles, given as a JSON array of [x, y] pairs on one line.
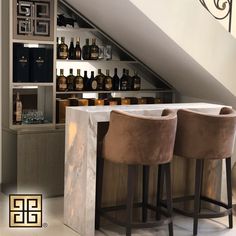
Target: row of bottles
[[100, 82], [74, 52]]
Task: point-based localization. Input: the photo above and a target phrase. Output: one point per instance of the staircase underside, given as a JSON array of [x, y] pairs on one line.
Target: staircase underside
[[179, 40]]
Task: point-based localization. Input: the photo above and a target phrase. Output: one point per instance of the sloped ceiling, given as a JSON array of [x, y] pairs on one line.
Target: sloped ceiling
[[177, 39]]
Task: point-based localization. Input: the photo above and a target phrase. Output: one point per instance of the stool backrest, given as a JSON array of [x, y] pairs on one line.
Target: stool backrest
[[136, 139], [205, 136]]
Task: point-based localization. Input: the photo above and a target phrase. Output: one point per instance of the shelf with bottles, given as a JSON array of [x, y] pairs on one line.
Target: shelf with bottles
[[32, 106], [32, 64], [100, 82], [87, 46]]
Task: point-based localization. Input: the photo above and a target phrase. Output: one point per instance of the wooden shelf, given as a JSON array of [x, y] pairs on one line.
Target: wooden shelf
[[32, 41], [97, 61], [30, 126], [33, 84], [136, 92], [75, 30]]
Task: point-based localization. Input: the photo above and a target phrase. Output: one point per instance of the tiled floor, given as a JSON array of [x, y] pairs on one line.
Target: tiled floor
[[53, 216]]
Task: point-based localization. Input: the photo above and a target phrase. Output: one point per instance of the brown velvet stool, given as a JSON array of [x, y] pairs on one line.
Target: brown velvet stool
[[137, 140], [202, 137]]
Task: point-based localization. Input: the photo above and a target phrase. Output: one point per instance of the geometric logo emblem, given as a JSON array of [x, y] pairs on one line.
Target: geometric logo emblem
[[25, 210]]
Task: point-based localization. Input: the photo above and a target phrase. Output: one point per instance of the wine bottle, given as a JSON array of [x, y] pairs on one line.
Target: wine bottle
[[79, 81], [115, 81], [63, 49], [58, 51], [100, 80], [70, 81], [61, 82], [94, 50], [86, 50], [124, 81], [93, 82], [130, 81], [136, 81], [108, 81], [77, 49], [72, 50], [86, 81], [17, 110]]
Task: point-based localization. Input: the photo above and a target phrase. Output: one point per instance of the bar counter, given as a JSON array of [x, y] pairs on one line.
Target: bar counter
[[81, 146]]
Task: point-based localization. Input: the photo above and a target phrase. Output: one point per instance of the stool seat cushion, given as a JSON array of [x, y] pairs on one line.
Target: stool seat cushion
[[205, 136], [135, 139]]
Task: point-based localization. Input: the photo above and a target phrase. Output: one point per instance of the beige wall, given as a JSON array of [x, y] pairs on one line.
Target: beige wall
[[0, 92]]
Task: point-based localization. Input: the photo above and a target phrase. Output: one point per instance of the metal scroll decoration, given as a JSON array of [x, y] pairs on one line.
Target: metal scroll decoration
[[33, 17], [220, 9]]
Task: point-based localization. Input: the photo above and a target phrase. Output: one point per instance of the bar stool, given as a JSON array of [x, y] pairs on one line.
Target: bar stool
[[137, 140], [206, 137]]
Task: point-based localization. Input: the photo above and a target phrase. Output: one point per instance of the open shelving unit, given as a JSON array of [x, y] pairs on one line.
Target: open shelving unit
[[36, 151]]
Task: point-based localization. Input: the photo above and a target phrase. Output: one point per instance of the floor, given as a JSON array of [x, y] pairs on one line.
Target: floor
[[53, 217]]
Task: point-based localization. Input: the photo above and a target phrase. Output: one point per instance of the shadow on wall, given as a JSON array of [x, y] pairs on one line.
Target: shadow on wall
[[234, 186]]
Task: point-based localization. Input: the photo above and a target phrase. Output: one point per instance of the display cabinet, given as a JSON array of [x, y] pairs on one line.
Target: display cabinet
[[34, 147]]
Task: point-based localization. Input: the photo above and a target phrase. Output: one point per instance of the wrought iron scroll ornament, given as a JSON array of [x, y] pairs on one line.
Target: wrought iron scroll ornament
[[220, 9]]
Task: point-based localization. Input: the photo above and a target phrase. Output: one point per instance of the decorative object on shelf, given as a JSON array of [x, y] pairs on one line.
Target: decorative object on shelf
[[101, 52], [33, 64], [220, 9], [33, 117], [108, 52], [33, 19], [64, 21], [20, 63]]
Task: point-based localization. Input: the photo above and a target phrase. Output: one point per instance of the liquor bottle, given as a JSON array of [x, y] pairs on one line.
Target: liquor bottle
[[86, 50], [124, 81], [130, 81], [70, 81], [63, 49], [94, 50], [77, 49], [78, 81], [71, 55], [58, 52], [17, 110], [93, 82], [100, 80], [136, 81], [61, 82], [108, 81], [86, 81], [115, 81]]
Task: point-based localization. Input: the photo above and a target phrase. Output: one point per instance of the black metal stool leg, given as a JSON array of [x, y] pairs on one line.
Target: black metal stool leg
[[169, 196], [160, 182], [145, 192], [229, 189], [130, 198], [198, 180], [100, 167], [201, 183]]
